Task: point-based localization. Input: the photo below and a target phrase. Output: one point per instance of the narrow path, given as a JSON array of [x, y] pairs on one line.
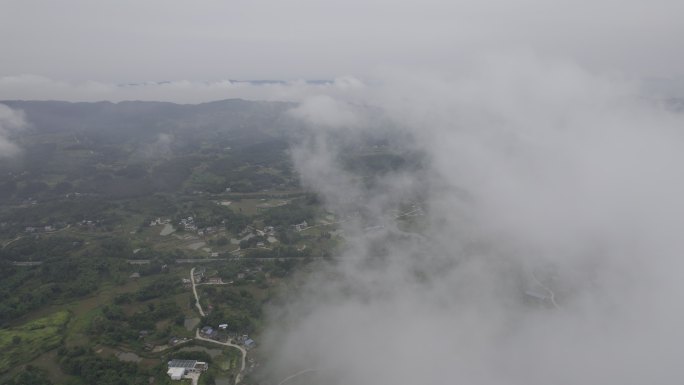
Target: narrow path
[[288, 378], [238, 378], [194, 290], [10, 242], [551, 293]]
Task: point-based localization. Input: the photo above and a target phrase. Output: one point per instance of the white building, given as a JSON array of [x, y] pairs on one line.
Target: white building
[[176, 373], [179, 368]]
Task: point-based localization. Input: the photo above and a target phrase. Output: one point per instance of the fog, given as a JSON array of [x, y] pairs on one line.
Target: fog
[[548, 246]]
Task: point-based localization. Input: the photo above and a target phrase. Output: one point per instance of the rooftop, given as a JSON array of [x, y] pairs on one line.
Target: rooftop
[[185, 364]]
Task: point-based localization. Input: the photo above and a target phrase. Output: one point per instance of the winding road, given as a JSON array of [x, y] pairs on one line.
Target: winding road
[[242, 350], [238, 378]]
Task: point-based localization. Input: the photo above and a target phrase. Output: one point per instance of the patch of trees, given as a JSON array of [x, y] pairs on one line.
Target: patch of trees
[[287, 215], [96, 370], [59, 213], [238, 322], [251, 242], [265, 153], [112, 326], [280, 268], [170, 175], [279, 252], [238, 300], [58, 278], [242, 180], [31, 375], [158, 205], [39, 249], [210, 214], [160, 287], [115, 247]]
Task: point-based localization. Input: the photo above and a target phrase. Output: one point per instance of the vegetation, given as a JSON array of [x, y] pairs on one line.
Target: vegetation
[[30, 376], [23, 343], [92, 369]]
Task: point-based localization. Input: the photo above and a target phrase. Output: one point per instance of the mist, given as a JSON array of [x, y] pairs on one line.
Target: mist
[[535, 239]]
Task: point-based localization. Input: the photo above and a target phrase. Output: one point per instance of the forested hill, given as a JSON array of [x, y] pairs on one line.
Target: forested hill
[[136, 148], [150, 117]]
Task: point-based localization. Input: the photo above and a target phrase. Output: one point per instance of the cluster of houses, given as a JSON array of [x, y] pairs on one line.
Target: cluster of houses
[[215, 334], [201, 277], [245, 341], [268, 232], [188, 224], [159, 222], [301, 226], [39, 229], [89, 223], [52, 227], [199, 274]]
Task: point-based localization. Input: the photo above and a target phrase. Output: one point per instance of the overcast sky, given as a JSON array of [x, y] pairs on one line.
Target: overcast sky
[[154, 40]]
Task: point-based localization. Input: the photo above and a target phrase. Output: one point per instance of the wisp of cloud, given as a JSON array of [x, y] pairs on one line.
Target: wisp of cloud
[[10, 121]]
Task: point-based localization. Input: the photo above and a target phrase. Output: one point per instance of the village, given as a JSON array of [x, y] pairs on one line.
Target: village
[[219, 334]]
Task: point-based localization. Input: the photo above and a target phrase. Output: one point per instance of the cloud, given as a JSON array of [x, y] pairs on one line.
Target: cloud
[[11, 121], [324, 111], [537, 179], [160, 147], [33, 87]]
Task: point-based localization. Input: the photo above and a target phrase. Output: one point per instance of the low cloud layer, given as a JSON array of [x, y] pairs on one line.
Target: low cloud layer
[[546, 246], [32, 87], [10, 122]]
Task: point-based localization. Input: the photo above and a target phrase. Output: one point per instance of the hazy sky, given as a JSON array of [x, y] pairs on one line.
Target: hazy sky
[[154, 40]]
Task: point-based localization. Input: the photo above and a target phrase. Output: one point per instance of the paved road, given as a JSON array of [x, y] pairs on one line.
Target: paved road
[[238, 378], [194, 290]]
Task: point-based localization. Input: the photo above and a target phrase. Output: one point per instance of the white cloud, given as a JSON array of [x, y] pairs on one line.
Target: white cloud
[[324, 111], [10, 122], [32, 87]]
